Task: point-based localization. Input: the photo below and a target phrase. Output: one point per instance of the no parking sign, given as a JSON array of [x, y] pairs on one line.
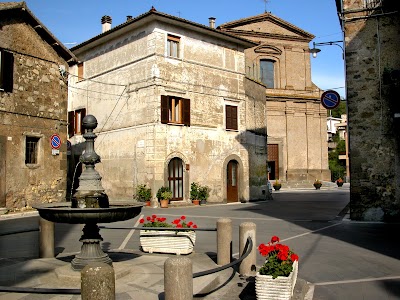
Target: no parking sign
[[330, 99], [55, 141]]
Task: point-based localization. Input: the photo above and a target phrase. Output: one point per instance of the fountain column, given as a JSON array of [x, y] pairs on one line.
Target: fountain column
[[90, 194]]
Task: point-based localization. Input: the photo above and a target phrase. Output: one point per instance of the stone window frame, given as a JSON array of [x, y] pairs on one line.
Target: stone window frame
[[274, 72], [39, 149]]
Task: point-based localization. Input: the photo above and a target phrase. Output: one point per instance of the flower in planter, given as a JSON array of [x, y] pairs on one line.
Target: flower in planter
[[154, 221], [279, 258], [317, 181], [339, 182]]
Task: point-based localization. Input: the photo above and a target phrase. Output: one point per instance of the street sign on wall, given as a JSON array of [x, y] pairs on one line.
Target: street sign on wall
[[330, 99], [55, 141]]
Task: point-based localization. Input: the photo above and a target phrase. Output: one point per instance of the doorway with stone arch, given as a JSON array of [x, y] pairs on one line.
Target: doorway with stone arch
[[175, 178]]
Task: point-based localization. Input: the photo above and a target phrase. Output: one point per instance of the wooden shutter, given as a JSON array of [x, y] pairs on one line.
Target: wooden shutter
[[186, 112], [231, 117], [8, 71], [164, 109], [234, 118], [71, 122], [83, 114]]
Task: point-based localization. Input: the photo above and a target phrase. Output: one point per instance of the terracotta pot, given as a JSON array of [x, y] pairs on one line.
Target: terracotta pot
[[164, 203], [196, 202], [148, 203]]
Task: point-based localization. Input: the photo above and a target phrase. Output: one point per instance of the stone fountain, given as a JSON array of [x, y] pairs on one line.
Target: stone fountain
[[89, 205]]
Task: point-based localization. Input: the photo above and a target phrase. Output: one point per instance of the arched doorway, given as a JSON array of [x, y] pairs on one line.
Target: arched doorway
[[232, 181], [175, 178]]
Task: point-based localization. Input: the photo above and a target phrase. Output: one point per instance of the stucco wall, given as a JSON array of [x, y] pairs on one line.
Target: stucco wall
[[135, 147]]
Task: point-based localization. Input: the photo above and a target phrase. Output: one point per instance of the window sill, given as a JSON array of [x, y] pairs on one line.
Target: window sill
[[176, 124], [233, 130], [32, 166]]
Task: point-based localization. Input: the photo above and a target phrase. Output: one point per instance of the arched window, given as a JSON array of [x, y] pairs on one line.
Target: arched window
[[267, 73], [175, 178]]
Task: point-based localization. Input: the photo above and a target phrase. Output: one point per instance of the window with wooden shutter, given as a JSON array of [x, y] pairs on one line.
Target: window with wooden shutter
[[173, 45], [80, 71], [79, 115], [75, 121], [231, 117], [175, 110], [6, 71]]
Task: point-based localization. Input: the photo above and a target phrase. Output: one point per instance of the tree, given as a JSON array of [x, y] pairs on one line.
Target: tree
[[338, 111]]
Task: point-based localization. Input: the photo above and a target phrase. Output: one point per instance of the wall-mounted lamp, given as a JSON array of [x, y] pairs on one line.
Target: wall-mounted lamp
[[314, 50]]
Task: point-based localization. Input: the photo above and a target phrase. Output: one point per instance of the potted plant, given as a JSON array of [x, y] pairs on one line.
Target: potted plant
[[339, 182], [278, 275], [204, 193], [167, 241], [277, 185], [143, 194], [317, 184], [194, 193], [163, 195]]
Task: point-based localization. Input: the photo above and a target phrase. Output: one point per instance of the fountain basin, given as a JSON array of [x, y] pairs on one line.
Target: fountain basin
[[62, 212]]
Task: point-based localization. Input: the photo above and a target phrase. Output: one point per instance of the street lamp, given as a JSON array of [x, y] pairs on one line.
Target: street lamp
[[314, 50]]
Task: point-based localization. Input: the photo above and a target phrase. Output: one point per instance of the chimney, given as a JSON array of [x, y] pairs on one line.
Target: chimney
[[128, 18], [105, 23], [211, 21]]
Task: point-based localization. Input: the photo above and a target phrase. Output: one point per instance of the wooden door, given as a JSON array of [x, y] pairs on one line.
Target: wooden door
[[232, 181]]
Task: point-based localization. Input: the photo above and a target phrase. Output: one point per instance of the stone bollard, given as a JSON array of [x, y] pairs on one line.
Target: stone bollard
[[98, 282], [224, 241], [248, 265], [46, 238], [178, 278]]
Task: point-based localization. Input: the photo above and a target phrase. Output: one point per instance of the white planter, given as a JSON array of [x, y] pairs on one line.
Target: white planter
[[280, 288], [181, 242]]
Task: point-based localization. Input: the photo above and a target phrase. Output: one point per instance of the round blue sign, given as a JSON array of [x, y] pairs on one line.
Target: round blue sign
[[330, 99], [55, 141]]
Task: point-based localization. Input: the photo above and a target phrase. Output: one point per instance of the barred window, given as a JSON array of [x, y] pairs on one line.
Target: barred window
[[31, 150]]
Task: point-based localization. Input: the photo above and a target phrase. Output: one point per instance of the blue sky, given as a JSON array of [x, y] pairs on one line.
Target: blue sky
[[75, 21]]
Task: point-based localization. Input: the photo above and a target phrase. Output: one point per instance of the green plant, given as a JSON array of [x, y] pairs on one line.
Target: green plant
[[204, 192], [143, 193], [279, 258], [194, 191], [317, 181], [166, 195], [161, 190], [154, 221], [277, 183]]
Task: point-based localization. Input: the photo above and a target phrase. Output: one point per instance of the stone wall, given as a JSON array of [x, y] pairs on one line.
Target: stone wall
[[36, 107], [372, 89]]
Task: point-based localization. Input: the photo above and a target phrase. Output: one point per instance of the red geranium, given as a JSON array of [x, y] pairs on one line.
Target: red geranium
[[155, 221], [279, 258]]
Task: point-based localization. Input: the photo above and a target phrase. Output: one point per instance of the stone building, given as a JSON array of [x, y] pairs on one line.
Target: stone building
[[296, 121], [33, 107], [174, 107], [371, 32]]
